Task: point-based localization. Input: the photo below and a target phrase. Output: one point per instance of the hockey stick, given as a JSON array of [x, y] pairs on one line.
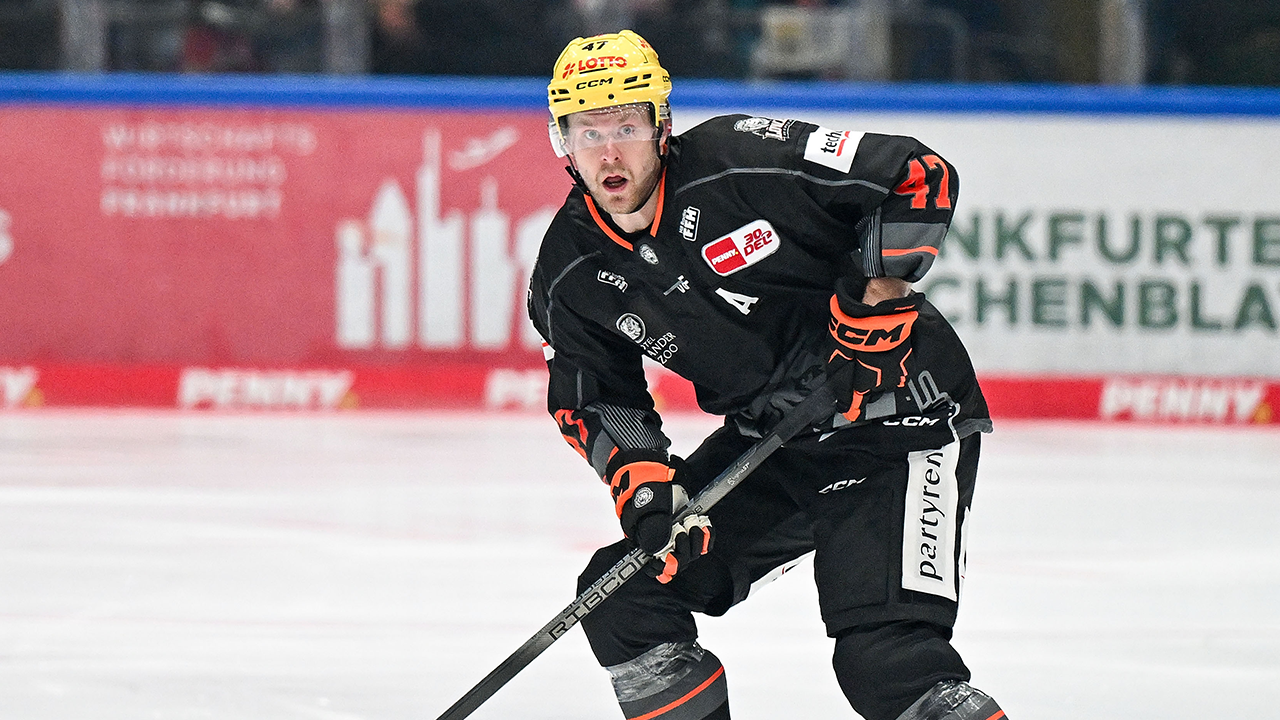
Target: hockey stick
[[812, 409]]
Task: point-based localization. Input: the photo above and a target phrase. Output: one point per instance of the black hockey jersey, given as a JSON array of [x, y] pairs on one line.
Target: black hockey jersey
[[730, 286]]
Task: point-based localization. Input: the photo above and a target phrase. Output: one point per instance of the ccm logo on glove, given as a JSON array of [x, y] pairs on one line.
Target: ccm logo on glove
[[874, 332]]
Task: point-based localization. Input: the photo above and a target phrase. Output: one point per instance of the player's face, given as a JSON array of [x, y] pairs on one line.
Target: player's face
[[616, 155]]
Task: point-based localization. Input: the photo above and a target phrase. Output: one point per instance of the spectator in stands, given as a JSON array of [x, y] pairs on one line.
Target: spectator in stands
[[217, 40], [30, 36], [289, 36]]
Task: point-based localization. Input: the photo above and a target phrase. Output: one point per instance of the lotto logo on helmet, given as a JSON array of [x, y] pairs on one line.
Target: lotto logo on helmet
[[832, 148], [593, 63], [741, 248]]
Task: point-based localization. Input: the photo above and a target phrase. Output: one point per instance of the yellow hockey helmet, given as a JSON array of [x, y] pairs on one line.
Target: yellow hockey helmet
[[606, 71]]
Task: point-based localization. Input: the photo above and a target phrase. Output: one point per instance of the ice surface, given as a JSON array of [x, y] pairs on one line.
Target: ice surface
[[376, 566]]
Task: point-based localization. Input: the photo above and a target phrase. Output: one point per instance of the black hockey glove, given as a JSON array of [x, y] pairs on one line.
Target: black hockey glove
[[874, 339], [648, 495]]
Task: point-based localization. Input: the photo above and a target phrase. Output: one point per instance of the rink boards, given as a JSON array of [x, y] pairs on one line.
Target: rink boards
[[247, 243]]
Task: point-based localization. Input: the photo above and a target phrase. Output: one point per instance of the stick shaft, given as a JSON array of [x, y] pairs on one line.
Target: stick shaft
[[802, 416]]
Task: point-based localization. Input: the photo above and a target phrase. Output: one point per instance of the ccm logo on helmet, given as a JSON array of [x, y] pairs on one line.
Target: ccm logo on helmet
[[595, 63], [594, 83]]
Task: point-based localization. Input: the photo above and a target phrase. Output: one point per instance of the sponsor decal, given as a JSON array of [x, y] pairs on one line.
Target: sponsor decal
[[689, 223], [929, 523], [389, 297], [478, 151], [681, 284], [841, 485], [648, 255], [1184, 400], [833, 148], [18, 387], [594, 63], [767, 128], [659, 347], [523, 389], [263, 389], [632, 326], [741, 248], [643, 497], [614, 279], [912, 421]]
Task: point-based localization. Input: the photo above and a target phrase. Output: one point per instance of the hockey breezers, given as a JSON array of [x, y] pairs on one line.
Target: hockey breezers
[[816, 407]]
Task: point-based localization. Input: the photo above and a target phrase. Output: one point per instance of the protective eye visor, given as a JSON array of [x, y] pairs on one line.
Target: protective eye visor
[[597, 128]]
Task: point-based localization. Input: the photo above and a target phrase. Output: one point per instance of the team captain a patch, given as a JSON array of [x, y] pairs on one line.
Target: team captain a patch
[[832, 148], [741, 248]]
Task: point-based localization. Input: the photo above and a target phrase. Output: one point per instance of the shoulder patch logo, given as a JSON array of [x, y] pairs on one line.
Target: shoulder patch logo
[[833, 148], [766, 127], [745, 246], [614, 279], [689, 223], [632, 326]]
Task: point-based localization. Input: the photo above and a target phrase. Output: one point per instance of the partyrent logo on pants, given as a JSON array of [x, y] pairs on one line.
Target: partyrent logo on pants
[[929, 525]]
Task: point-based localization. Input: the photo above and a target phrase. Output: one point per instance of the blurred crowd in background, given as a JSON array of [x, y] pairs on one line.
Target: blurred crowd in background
[[1129, 42]]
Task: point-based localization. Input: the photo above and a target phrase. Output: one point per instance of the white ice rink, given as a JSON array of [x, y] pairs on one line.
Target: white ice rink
[[376, 566]]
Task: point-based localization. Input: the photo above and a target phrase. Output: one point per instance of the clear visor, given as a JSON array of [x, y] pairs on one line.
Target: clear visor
[[596, 128]]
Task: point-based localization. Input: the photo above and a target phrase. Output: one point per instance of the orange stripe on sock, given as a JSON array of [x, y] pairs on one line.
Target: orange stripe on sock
[[999, 714], [706, 683]]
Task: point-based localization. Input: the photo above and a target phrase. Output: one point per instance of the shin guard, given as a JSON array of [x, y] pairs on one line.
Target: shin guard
[[954, 700], [674, 681]]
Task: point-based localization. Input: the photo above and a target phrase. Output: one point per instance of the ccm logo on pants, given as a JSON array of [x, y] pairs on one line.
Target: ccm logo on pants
[[929, 525]]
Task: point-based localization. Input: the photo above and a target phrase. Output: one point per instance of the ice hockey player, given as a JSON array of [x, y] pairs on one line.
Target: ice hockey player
[[755, 257]]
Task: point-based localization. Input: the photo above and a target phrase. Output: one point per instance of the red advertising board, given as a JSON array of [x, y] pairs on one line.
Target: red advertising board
[[189, 257], [234, 237]]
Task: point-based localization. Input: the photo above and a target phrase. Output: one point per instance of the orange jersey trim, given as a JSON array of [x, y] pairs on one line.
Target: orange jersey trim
[[895, 253], [666, 708], [653, 228], [595, 214], [662, 195]]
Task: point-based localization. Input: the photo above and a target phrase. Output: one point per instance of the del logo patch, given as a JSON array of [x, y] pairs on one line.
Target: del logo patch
[[833, 148], [745, 246]]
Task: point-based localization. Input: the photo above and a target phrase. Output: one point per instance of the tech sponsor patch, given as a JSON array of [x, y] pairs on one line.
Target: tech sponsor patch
[[741, 248], [929, 525], [833, 148]]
